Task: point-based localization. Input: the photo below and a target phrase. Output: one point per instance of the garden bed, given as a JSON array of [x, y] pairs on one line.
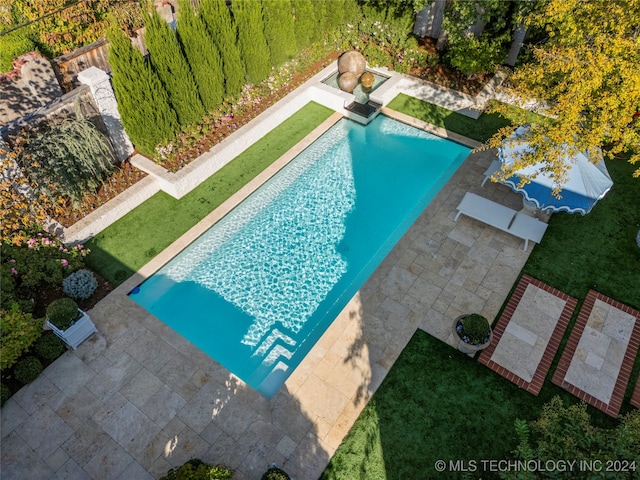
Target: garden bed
[[447, 77], [218, 126], [123, 177]]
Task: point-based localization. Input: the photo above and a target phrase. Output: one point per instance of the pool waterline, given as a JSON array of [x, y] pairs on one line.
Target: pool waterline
[[337, 262]]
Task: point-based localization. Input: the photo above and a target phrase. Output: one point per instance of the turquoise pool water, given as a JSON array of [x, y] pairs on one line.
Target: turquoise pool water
[[259, 288]]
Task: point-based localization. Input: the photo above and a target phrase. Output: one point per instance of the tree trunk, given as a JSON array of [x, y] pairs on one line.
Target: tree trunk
[[518, 39], [477, 28], [429, 20]]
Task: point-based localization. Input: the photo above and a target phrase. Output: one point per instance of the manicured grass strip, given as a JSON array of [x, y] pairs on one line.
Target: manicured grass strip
[[121, 249], [435, 404], [597, 250], [481, 129]]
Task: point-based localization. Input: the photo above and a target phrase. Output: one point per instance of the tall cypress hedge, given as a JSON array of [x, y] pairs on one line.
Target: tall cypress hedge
[[305, 22], [278, 30], [334, 14], [224, 33], [202, 55], [253, 45], [143, 103], [172, 67]]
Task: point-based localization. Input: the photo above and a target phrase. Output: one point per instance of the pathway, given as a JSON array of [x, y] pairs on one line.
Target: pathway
[[597, 361], [528, 333]]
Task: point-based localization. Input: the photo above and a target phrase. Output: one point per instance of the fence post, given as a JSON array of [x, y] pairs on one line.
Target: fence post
[[98, 82]]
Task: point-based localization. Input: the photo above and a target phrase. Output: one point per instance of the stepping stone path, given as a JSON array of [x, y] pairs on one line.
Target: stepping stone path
[[596, 363], [528, 334]]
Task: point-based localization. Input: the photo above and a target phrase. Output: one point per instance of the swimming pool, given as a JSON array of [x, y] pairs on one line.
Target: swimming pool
[[259, 288]]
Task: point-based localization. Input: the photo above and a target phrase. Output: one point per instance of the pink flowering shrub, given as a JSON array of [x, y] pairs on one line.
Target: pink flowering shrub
[[42, 260]]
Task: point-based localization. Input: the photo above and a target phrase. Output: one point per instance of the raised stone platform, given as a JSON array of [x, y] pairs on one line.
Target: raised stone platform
[[528, 333], [597, 361]]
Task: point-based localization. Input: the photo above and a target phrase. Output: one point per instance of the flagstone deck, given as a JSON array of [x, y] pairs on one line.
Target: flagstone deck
[[597, 360], [528, 334], [136, 398]]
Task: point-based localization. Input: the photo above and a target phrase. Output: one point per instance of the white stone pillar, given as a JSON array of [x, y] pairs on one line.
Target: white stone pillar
[[98, 82]]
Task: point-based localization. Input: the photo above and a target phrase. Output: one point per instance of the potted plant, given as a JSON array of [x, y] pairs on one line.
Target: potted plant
[[473, 332], [68, 322], [275, 473]]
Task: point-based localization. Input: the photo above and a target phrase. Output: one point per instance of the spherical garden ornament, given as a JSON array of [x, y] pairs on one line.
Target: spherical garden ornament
[[367, 79], [353, 62], [347, 81]]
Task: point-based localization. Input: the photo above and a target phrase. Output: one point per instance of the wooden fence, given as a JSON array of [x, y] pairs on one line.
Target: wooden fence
[[95, 54]]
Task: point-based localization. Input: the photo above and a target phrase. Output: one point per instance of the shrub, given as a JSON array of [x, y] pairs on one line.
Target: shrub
[[68, 160], [12, 46], [173, 70], [49, 346], [80, 284], [5, 394], [476, 328], [143, 102], [62, 313], [275, 473], [42, 258], [18, 331], [196, 469], [472, 56], [27, 370]]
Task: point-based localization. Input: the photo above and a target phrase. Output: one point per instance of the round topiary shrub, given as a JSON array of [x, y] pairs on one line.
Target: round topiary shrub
[[80, 284], [27, 370], [5, 393], [49, 346], [275, 473], [63, 312], [475, 328], [196, 469]]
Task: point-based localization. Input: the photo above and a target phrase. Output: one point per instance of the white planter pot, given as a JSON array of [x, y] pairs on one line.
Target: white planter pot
[[76, 333]]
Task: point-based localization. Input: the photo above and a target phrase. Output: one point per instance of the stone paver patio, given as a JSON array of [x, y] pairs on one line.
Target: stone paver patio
[[528, 334], [597, 361], [136, 398]]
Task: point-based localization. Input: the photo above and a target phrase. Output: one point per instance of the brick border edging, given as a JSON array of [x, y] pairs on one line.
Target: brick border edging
[[535, 385], [615, 403], [635, 397]]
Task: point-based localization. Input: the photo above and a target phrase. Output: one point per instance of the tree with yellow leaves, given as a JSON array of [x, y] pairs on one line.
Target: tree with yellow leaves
[[588, 73]]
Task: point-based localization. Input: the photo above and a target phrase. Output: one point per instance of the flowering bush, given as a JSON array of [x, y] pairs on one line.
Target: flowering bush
[[42, 260], [18, 331]]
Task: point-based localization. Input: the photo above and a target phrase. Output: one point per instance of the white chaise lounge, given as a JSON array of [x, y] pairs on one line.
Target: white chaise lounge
[[503, 218], [493, 168]]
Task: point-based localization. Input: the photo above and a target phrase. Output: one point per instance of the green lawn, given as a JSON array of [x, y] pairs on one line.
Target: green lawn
[[435, 404], [596, 251], [481, 129], [122, 248]]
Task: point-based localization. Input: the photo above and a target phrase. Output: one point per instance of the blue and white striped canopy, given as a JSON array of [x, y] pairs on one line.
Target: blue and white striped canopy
[[587, 182]]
